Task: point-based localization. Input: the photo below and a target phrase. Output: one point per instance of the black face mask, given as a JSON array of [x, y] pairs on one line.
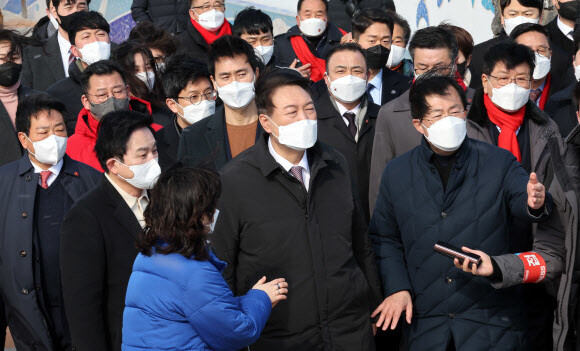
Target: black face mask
[[462, 68], [568, 10], [9, 73], [377, 56], [65, 21]]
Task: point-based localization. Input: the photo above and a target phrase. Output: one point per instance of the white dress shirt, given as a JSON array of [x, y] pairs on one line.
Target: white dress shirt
[[136, 204], [567, 31], [342, 110], [64, 46], [287, 165], [52, 177], [376, 88]]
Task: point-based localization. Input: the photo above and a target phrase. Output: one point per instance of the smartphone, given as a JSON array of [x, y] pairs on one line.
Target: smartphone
[[451, 251]]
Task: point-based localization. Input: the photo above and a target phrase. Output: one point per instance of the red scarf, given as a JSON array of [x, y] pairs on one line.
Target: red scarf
[[545, 93], [459, 80], [302, 51], [508, 123], [209, 37]]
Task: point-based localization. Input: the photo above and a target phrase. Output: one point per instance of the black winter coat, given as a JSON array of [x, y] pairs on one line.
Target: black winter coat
[[97, 252], [562, 52], [191, 42], [269, 225], [69, 92], [42, 66], [562, 109], [486, 187], [18, 186], [171, 15], [168, 144], [334, 132]]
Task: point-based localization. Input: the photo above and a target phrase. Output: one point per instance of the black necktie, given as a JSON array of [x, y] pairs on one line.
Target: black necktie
[[351, 125]]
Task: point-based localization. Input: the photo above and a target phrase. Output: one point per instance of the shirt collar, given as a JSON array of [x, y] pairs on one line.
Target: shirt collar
[[63, 43], [53, 169], [342, 110], [377, 81], [129, 199], [564, 28], [287, 165]]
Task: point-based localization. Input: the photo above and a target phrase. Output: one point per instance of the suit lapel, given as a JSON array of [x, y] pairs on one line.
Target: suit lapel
[[215, 138], [121, 210], [54, 58]]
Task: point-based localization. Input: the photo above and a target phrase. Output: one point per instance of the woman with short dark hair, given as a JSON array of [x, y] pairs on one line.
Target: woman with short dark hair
[[176, 298]]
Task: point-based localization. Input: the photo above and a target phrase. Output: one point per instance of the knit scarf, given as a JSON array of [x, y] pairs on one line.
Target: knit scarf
[[508, 123]]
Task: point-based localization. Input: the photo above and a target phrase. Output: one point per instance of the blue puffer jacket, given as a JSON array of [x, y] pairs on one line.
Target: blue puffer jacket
[[175, 303]]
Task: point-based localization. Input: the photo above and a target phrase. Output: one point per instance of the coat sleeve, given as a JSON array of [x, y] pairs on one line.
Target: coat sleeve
[[387, 244], [26, 75], [139, 11], [82, 260], [228, 322], [381, 155]]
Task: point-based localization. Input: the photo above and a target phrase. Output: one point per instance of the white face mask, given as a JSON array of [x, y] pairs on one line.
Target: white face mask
[[312, 27], [195, 113], [211, 20], [396, 56], [53, 21], [348, 89], [144, 176], [147, 77], [543, 66], [211, 226], [49, 150], [96, 51], [264, 53], [511, 23], [299, 135], [237, 94], [511, 97], [447, 134], [577, 72]]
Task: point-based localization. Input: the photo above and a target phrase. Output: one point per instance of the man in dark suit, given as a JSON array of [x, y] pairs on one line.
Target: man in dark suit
[[206, 24], [89, 37], [513, 12], [42, 67], [289, 207], [307, 43], [190, 96], [233, 128], [372, 29], [346, 117], [13, 91], [98, 234], [36, 192]]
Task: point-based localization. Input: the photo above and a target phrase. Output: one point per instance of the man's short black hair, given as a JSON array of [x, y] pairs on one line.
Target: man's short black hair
[[527, 28], [272, 79], [56, 3], [510, 54], [182, 69], [252, 21], [432, 84], [154, 37], [83, 20], [352, 47], [229, 46], [299, 6], [538, 4], [435, 37], [100, 68], [402, 22], [363, 19], [115, 129], [31, 105]]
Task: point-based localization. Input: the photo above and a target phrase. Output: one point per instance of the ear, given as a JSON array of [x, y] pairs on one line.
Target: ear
[[502, 20], [326, 79], [298, 20], [85, 102], [24, 141], [76, 52], [112, 166], [484, 82], [214, 83], [555, 3], [417, 124], [265, 122], [578, 116], [53, 12], [257, 73], [193, 15], [172, 105], [468, 61]]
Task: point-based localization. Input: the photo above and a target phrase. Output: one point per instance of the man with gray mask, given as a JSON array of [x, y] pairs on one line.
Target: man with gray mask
[[104, 90]]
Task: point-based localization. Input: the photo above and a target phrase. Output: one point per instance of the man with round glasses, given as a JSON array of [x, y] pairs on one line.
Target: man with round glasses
[[190, 96]]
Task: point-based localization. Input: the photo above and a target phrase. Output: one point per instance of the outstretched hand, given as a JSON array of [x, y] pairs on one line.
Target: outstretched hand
[[536, 192]]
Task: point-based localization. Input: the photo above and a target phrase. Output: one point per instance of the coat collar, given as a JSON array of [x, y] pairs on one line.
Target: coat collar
[[122, 212], [462, 153], [68, 166], [196, 36]]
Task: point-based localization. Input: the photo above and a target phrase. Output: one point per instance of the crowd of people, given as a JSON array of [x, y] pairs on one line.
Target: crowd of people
[[206, 185]]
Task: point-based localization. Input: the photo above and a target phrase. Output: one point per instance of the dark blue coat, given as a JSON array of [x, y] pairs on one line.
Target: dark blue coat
[[18, 185], [486, 186], [176, 303]]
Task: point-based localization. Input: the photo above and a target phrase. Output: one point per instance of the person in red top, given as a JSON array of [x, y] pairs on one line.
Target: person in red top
[[104, 90], [207, 24]]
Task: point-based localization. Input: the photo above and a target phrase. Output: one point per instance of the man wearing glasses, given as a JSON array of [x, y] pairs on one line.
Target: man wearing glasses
[[104, 90], [190, 96], [207, 24]]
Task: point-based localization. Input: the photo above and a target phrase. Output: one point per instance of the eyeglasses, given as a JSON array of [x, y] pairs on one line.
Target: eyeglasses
[[196, 99], [218, 6], [505, 80], [117, 94], [159, 59], [544, 51]]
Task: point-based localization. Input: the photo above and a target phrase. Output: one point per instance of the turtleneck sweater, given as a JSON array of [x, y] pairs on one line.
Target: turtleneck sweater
[[9, 98]]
